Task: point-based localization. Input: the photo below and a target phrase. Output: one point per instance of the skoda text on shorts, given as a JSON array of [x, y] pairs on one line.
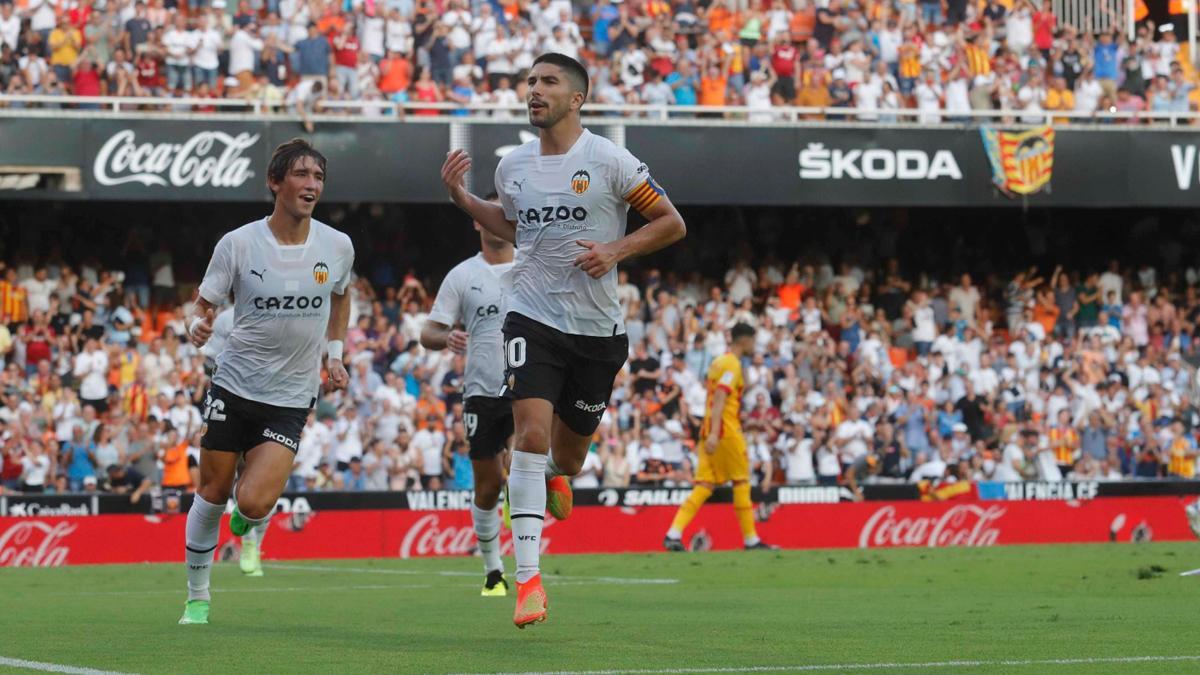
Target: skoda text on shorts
[[287, 275]]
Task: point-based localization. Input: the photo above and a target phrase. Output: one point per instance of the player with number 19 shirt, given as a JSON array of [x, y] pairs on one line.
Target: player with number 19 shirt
[[472, 295]]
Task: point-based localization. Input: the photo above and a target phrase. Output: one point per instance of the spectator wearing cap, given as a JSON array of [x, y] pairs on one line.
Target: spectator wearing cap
[[354, 478], [126, 480]]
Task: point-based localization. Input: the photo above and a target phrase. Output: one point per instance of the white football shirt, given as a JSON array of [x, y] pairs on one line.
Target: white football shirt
[[472, 293], [281, 309], [557, 200]]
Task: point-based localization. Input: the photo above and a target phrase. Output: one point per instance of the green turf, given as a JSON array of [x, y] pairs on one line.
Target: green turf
[[728, 610]]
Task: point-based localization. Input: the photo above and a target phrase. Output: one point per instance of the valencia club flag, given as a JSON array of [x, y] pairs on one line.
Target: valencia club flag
[[1022, 163]]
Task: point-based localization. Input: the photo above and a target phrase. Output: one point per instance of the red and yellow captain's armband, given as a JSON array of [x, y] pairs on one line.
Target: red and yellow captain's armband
[[644, 195]]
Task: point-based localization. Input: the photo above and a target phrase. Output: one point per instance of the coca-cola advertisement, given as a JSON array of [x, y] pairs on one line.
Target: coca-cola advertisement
[[398, 533], [151, 157]]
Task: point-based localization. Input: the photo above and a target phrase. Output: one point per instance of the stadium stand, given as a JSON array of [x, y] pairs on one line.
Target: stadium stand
[[874, 60], [1041, 374]]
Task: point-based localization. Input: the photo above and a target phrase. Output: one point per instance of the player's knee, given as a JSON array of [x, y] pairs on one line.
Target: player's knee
[[213, 493], [568, 466], [254, 508], [533, 440], [487, 495], [741, 494]]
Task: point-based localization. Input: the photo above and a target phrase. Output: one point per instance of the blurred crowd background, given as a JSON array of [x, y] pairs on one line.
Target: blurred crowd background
[[943, 59], [892, 346]]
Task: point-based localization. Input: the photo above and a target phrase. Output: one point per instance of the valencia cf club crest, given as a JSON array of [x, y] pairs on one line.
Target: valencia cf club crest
[[1022, 163], [321, 272], [580, 181]]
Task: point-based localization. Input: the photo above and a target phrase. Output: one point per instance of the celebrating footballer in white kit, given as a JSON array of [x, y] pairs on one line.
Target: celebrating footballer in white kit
[[564, 198], [287, 275], [472, 295]]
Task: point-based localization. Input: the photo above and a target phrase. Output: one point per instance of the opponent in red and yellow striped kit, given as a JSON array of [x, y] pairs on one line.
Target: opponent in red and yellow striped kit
[[722, 452]]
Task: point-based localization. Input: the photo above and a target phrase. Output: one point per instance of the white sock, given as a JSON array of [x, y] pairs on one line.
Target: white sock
[[527, 509], [552, 469], [257, 534], [203, 530], [674, 534], [487, 532], [254, 524], [751, 541]]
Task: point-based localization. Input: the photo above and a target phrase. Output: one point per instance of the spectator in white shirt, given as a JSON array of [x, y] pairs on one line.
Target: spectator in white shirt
[[242, 54], [852, 436], [1031, 97], [798, 458], [929, 99], [184, 416], [10, 26], [180, 42], [589, 476], [209, 43], [958, 96], [348, 438], [426, 451], [38, 289], [91, 370], [458, 20], [867, 97], [758, 96]]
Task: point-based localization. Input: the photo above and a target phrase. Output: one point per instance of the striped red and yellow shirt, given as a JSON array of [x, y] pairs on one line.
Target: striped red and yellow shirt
[[1064, 442], [14, 304], [910, 61], [978, 61]]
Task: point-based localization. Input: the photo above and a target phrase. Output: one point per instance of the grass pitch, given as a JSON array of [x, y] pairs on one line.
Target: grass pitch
[[1011, 609]]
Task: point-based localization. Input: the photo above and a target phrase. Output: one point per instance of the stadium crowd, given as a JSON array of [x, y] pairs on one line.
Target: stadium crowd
[[873, 57], [861, 374]]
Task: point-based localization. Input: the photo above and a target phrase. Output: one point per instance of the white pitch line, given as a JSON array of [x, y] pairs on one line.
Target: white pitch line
[[222, 591], [1190, 573], [448, 573], [52, 667], [877, 666]]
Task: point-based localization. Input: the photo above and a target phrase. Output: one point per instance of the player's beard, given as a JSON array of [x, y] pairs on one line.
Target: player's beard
[[551, 116]]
